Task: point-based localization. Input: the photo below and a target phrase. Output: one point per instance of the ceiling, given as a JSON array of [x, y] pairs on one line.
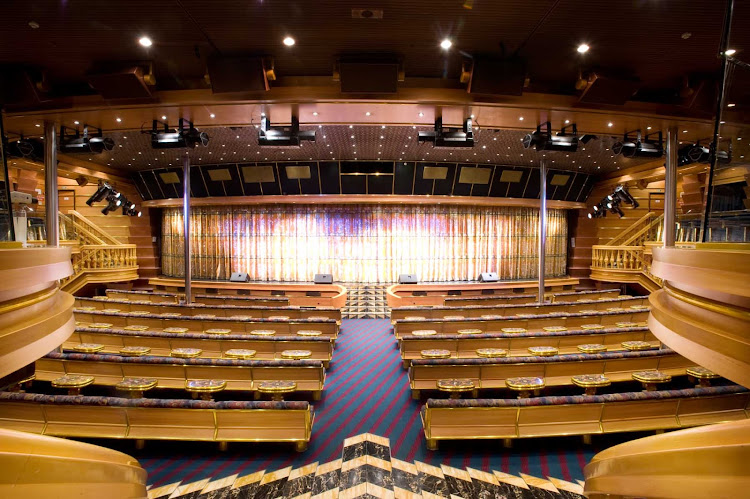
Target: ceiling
[[658, 41]]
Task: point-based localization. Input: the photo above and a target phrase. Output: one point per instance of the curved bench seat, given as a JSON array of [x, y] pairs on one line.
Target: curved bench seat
[[559, 296], [197, 324], [532, 322], [517, 344], [172, 297], [156, 419], [557, 370], [451, 419], [213, 346], [171, 372]]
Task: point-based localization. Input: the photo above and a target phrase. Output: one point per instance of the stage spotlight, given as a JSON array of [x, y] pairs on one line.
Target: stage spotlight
[[101, 192], [112, 204], [698, 153], [631, 147], [280, 136], [74, 142], [543, 140], [622, 193], [586, 138], [169, 138], [449, 137]]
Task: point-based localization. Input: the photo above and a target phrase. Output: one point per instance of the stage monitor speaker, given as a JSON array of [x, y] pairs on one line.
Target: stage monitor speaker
[[407, 279], [239, 277], [323, 279], [488, 277]]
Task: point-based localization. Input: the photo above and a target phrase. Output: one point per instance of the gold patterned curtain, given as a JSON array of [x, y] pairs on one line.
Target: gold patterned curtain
[[363, 243]]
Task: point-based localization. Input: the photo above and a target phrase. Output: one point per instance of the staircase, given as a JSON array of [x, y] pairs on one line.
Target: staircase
[[97, 256], [627, 257], [367, 470]]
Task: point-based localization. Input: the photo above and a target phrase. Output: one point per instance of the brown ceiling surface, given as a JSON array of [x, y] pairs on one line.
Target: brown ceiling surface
[[642, 37]]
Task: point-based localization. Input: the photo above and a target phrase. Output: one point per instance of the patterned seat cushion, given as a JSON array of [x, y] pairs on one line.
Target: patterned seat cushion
[[155, 359], [573, 357], [197, 336], [572, 332]]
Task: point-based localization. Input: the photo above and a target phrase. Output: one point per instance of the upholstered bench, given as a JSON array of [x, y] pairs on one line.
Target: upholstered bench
[[155, 419], [507, 419]]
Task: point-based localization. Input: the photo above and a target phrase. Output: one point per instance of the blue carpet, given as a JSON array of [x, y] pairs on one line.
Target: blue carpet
[[366, 390]]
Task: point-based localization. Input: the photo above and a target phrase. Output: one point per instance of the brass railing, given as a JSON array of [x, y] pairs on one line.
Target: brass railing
[[93, 258], [625, 235]]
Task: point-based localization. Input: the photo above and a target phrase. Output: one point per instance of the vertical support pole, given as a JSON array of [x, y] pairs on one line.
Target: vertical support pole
[[717, 118], [50, 184], [542, 225], [670, 187], [186, 221], [11, 234]]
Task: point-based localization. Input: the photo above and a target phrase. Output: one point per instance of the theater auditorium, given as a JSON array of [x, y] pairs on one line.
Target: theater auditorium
[[397, 249]]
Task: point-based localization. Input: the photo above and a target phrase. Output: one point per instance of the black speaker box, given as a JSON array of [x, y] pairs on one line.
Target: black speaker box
[[488, 277], [407, 279], [369, 77], [17, 86], [323, 279], [246, 74], [497, 76], [239, 277]]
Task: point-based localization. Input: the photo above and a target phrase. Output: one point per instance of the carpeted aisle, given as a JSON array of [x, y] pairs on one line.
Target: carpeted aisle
[[366, 390]]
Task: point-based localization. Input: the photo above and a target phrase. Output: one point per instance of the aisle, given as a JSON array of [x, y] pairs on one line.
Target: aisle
[[366, 391]]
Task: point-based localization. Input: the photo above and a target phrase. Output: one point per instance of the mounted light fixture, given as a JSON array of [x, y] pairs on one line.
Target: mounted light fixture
[[543, 140], [449, 137], [631, 147], [612, 203], [280, 136], [103, 190], [73, 142], [699, 153], [169, 138]]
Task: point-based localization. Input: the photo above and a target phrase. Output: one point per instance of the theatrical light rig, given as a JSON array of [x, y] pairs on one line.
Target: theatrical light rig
[[114, 200], [449, 137], [543, 140], [699, 153], [71, 141], [169, 138], [639, 147], [612, 202]]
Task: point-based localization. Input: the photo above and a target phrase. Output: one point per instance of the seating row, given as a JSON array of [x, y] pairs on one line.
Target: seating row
[[158, 419], [212, 346], [524, 323], [170, 372], [204, 323], [557, 297], [250, 311], [174, 298], [558, 370], [517, 344], [491, 311], [508, 419]]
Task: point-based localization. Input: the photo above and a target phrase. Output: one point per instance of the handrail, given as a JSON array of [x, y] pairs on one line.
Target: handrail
[[634, 227], [96, 257], [93, 228], [643, 235]]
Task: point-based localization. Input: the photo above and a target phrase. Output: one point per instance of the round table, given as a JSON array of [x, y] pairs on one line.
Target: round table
[[435, 353], [525, 385], [309, 332], [296, 354], [241, 317], [591, 327], [543, 351], [514, 330], [651, 379], [592, 348], [626, 324], [134, 387], [703, 375], [100, 325], [84, 309], [135, 351], [240, 353], [176, 330], [276, 388], [453, 317], [204, 316], [279, 318], [590, 382], [218, 331], [186, 353], [491, 317], [317, 318], [554, 329], [263, 332], [204, 388], [414, 318], [136, 328], [424, 332], [73, 383], [637, 346], [171, 314], [111, 310], [18, 385], [139, 312], [87, 347], [469, 331], [492, 353], [455, 387]]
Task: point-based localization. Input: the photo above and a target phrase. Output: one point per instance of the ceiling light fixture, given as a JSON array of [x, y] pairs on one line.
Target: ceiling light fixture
[[731, 104], [583, 48], [289, 41], [368, 113], [76, 122], [446, 44], [145, 41], [119, 120], [637, 146], [730, 52], [610, 124], [212, 115]]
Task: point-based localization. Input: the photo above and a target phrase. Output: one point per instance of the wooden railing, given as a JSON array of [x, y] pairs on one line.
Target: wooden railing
[[97, 258], [89, 230], [617, 257], [626, 234]]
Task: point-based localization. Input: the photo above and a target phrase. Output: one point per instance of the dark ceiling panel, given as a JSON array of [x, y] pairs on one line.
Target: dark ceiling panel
[[329, 177], [380, 184], [404, 180], [353, 184]]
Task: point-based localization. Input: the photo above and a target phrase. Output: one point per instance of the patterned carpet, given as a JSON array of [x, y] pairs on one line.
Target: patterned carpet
[[366, 301], [366, 391]]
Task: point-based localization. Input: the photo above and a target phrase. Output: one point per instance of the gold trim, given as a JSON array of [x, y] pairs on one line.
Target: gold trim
[[28, 300], [706, 303]]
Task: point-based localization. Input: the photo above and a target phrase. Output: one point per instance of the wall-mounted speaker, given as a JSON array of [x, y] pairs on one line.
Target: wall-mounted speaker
[[323, 279], [488, 277], [239, 277], [407, 279]]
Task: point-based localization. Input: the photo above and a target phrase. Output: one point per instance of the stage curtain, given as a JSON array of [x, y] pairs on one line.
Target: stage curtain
[[363, 243]]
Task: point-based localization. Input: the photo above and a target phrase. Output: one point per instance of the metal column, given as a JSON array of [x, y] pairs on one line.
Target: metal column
[[5, 192], [51, 201], [186, 221], [670, 187], [542, 225]]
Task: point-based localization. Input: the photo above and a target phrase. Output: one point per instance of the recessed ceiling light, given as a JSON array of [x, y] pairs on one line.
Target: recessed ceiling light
[[382, 126], [33, 25], [648, 128], [37, 125], [163, 117], [730, 52], [610, 124], [368, 113], [315, 113], [119, 120], [212, 115], [684, 131], [520, 118], [567, 121], [446, 44], [731, 104], [421, 114], [145, 41], [583, 48], [76, 122], [351, 126], [289, 41]]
